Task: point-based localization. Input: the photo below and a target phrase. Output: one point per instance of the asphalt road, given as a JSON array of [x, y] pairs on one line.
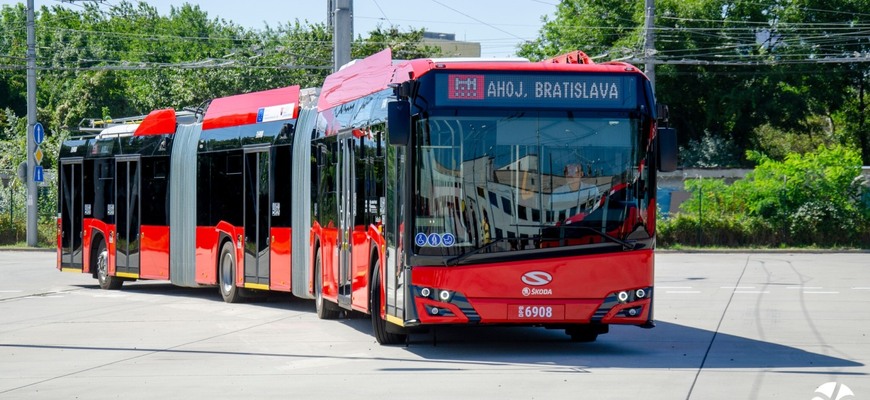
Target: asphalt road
[[730, 326]]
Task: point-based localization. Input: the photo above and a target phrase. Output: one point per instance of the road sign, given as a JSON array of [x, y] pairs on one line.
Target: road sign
[[37, 155], [38, 175], [38, 133]]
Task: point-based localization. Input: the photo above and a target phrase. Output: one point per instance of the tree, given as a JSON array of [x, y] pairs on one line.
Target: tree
[[735, 65]]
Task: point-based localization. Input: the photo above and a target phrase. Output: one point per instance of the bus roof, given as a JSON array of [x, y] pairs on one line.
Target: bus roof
[[161, 122], [251, 108], [377, 72]]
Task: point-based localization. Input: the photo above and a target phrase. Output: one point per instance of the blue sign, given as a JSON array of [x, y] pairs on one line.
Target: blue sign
[[38, 175], [448, 239], [434, 239], [550, 90], [38, 133], [420, 239]]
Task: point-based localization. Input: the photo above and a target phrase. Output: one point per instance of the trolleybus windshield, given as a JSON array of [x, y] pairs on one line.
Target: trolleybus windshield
[[494, 181]]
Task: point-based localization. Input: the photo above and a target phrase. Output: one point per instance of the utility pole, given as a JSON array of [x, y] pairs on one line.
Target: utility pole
[[649, 48], [341, 17], [32, 194]]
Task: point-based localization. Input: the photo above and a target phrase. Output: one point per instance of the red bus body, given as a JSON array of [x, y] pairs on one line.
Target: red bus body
[[527, 255], [423, 192], [176, 183]]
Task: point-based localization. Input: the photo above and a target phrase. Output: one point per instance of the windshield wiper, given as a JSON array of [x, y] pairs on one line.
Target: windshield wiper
[[455, 260], [625, 245]]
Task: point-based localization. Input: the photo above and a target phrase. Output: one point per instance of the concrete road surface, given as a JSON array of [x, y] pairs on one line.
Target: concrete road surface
[[730, 326]]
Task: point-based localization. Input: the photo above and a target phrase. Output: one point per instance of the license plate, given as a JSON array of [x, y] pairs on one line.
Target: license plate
[[537, 312]]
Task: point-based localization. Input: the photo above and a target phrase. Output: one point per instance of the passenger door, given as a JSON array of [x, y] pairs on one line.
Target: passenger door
[[346, 199], [257, 212], [127, 216], [71, 213]]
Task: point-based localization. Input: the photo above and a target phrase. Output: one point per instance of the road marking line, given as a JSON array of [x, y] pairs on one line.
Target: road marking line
[[673, 287], [752, 291], [684, 291], [822, 292], [10, 291], [861, 288]]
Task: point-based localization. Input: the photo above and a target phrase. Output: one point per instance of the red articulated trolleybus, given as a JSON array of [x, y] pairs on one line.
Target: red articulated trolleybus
[[181, 196], [484, 192], [423, 192]]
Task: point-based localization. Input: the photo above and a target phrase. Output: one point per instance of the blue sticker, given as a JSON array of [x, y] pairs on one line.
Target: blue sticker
[[448, 239], [420, 239], [260, 113], [434, 239]]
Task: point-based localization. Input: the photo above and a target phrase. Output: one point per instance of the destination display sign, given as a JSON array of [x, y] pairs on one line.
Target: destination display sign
[[536, 90]]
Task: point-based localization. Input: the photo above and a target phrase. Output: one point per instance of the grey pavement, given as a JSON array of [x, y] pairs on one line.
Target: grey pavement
[[730, 326]]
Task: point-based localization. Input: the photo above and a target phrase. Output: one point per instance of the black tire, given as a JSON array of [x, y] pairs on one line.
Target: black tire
[[325, 308], [583, 334], [379, 325], [101, 261], [227, 275]]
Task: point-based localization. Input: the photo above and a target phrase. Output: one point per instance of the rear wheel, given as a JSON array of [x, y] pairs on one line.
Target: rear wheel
[[227, 275], [379, 325], [101, 259], [325, 308]]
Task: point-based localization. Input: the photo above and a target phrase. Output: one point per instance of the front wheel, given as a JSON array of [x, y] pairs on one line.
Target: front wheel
[[106, 281], [379, 325], [227, 275], [585, 333]]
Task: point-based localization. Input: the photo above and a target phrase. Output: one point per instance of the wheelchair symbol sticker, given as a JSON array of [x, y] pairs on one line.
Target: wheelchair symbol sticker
[[420, 239]]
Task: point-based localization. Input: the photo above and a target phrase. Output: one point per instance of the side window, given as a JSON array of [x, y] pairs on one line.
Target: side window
[[371, 181]]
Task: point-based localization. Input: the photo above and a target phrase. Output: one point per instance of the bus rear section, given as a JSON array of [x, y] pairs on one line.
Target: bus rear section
[[196, 198]]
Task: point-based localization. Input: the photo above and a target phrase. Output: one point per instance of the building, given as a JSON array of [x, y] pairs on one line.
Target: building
[[449, 46]]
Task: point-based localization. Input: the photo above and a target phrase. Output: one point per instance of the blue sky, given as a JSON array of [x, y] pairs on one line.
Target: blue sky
[[498, 25]]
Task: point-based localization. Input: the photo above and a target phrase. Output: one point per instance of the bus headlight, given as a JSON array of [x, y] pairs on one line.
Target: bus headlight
[[622, 296]]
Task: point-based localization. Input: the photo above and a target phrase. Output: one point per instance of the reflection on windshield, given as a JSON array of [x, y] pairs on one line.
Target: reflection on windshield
[[525, 181]]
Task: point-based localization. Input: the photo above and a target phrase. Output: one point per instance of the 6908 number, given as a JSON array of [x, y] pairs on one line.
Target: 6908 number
[[534, 312]]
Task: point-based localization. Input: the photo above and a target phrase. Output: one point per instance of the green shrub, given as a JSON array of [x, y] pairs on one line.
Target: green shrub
[[730, 231], [806, 199]]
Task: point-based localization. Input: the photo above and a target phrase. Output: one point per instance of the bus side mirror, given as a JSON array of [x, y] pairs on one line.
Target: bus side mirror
[[399, 122], [667, 149]]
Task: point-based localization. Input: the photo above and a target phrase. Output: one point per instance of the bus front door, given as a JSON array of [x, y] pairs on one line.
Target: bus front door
[[257, 217], [71, 214], [127, 216]]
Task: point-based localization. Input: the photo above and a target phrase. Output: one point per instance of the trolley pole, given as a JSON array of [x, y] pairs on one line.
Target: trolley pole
[[342, 33], [32, 194], [649, 48]]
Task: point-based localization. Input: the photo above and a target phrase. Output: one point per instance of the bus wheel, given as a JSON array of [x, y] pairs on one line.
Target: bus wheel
[[325, 308], [379, 326], [227, 275], [106, 281], [583, 333]]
